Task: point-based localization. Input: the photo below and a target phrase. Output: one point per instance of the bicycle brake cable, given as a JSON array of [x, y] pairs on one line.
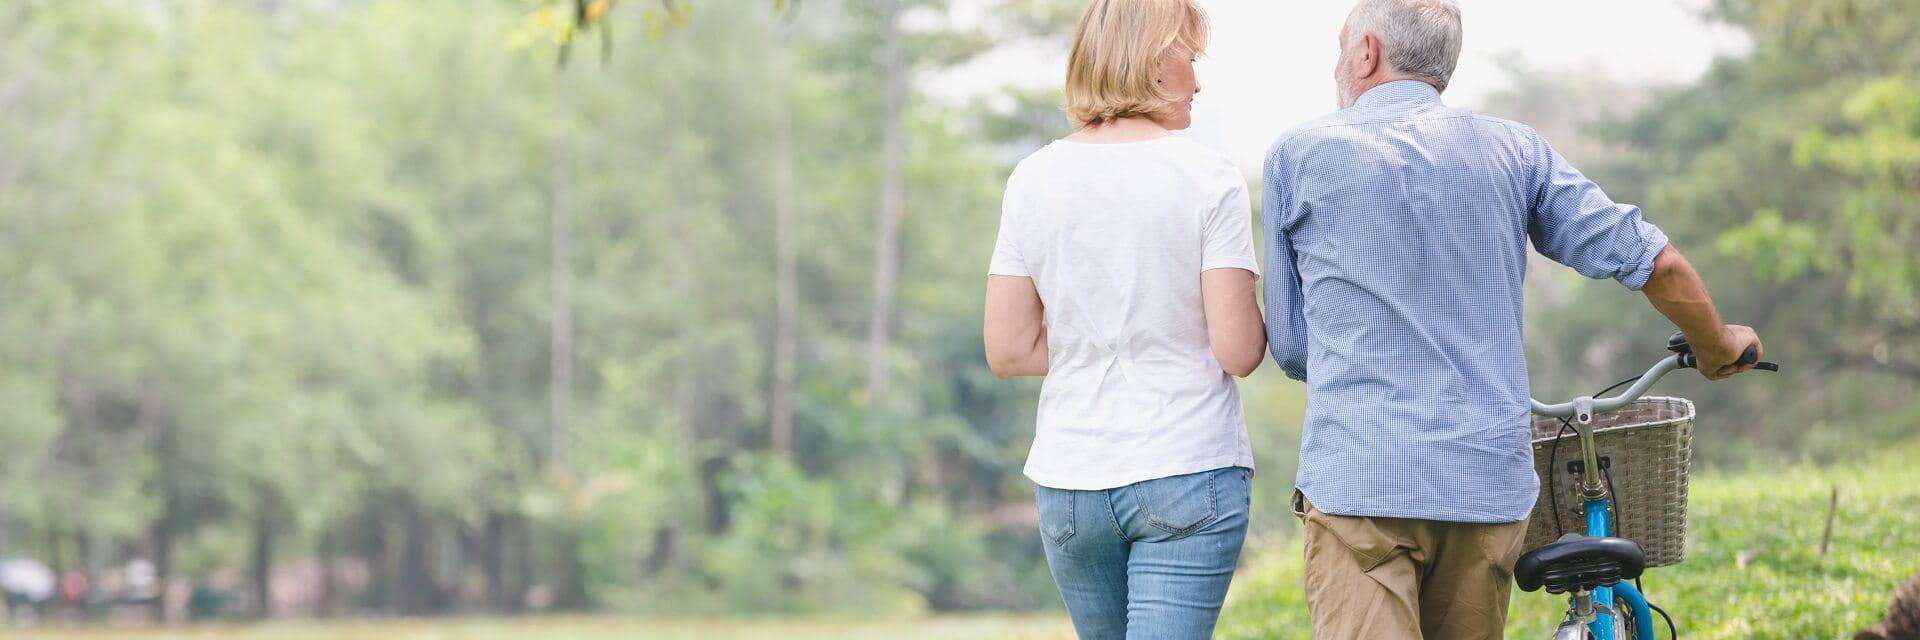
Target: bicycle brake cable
[[1553, 471]]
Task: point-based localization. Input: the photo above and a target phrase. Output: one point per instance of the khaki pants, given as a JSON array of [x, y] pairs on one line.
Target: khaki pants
[[1392, 578]]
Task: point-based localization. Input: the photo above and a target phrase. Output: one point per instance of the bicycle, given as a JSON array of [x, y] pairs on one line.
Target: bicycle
[[1597, 569]]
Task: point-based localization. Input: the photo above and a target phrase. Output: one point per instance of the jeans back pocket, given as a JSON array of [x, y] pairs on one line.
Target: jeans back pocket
[[1055, 508], [1179, 505]]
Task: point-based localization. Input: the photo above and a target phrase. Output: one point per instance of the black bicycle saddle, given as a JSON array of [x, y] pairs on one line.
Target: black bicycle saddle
[[1577, 562]]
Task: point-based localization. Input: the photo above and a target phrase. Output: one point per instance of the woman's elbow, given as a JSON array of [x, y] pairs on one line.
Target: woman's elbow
[[1008, 363], [1241, 360], [1001, 369], [1246, 366], [999, 362]]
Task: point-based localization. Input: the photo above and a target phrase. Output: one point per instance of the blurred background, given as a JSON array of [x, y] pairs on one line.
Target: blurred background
[[660, 318]]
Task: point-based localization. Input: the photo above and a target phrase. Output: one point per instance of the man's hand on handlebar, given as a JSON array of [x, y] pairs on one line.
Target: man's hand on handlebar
[[1719, 357]]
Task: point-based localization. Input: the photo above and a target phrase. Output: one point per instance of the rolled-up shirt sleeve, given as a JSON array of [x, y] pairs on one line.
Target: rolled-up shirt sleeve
[[1574, 223], [1286, 321]]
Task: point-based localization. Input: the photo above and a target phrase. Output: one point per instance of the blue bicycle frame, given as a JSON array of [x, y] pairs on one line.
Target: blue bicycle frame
[[1599, 526]]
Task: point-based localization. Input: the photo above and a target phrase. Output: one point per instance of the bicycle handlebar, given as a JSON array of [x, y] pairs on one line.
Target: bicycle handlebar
[[1682, 359], [1565, 409]]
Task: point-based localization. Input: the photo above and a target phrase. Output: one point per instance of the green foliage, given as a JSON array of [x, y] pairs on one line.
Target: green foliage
[[280, 275], [1872, 232], [1782, 250], [1753, 567], [1785, 176]]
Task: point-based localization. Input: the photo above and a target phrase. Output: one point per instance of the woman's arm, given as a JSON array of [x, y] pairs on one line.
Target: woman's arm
[[1016, 328], [1234, 326]]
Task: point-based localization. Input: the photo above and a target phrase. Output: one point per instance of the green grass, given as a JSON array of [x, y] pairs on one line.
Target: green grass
[[1771, 517], [591, 628]]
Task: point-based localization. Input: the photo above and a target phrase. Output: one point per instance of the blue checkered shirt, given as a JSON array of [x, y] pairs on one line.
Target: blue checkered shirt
[[1397, 236]]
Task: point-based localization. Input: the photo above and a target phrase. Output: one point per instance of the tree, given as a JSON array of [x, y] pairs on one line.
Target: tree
[[1732, 169], [886, 245]]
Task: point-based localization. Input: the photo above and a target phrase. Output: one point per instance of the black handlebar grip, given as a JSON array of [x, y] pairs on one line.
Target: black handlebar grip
[[1688, 361], [1750, 355]]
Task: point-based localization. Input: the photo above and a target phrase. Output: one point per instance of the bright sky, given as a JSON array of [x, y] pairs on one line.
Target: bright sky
[[1270, 63]]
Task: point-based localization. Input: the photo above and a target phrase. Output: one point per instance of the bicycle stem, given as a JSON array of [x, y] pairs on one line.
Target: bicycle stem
[[1583, 408]]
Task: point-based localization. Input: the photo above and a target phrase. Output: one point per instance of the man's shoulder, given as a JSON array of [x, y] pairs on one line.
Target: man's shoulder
[[1329, 126], [1342, 129], [1336, 134], [1517, 129]]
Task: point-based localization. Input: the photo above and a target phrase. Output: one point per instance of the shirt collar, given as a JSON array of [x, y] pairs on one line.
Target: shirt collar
[[1399, 92]]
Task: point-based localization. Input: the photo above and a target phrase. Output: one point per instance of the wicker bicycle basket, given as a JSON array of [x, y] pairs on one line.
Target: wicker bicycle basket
[[1647, 445]]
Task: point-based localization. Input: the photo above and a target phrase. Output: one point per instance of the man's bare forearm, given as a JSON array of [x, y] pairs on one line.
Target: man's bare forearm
[[1677, 292]]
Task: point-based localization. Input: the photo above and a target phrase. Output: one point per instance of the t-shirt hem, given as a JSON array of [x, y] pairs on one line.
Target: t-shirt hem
[[1236, 263], [1079, 482]]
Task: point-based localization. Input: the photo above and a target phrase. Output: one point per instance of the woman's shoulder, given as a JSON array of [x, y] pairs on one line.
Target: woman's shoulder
[[1200, 155], [1037, 166], [1067, 159], [1175, 148], [1210, 168]]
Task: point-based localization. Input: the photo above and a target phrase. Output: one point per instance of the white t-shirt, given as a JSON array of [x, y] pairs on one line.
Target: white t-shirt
[[1115, 237]]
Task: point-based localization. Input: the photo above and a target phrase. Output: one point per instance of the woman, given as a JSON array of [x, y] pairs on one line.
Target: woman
[[1124, 273]]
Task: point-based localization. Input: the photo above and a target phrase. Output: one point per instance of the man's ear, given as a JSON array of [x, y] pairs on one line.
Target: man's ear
[[1369, 59]]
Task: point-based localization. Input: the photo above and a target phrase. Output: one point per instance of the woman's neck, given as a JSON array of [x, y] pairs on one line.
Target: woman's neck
[[1120, 130]]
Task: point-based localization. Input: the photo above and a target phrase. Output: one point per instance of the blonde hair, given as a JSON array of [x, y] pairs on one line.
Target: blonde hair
[[1115, 50]]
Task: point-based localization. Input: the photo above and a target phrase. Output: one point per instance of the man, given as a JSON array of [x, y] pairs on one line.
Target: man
[[1397, 232]]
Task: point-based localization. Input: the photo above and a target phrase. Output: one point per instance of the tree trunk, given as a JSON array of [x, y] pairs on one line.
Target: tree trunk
[[56, 560], [162, 531], [680, 244], [329, 588], [447, 590], [521, 537], [378, 551], [666, 545], [162, 547], [262, 563], [493, 561], [886, 246], [560, 379], [562, 344], [570, 592], [83, 554], [786, 296], [719, 521], [680, 271], [416, 588]]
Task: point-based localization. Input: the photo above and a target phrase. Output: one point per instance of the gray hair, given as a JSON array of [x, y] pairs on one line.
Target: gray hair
[[1420, 38]]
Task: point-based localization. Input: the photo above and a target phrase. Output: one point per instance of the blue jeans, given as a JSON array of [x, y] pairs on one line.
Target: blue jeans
[[1150, 560]]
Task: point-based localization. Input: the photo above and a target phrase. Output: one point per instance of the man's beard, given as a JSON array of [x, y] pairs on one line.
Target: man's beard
[[1343, 83]]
